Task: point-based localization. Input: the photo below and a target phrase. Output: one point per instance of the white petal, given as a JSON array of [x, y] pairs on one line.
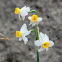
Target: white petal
[[20, 38], [29, 17], [43, 37], [33, 23], [51, 43], [37, 43], [20, 16], [27, 9], [27, 33], [23, 17], [41, 49], [39, 19], [23, 13], [25, 39], [46, 38], [47, 49], [24, 30], [23, 8]]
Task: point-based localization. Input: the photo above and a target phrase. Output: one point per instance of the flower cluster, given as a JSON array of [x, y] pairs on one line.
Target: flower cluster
[[42, 40]]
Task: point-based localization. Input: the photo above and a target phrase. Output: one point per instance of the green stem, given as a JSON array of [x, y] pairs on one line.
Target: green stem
[[33, 11], [37, 56], [32, 30], [36, 33], [37, 37]]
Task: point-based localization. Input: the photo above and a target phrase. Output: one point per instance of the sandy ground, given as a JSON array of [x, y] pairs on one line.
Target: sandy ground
[[15, 51]]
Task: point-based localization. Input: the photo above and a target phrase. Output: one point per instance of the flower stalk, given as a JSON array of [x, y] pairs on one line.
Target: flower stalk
[[37, 38], [37, 56], [33, 11]]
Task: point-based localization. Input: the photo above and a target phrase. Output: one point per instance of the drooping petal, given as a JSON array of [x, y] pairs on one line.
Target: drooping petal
[[29, 17], [37, 43], [20, 16], [39, 19], [41, 49], [20, 38], [51, 43], [25, 39], [23, 17]]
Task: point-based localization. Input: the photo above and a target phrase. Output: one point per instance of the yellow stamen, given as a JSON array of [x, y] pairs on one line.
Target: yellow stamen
[[18, 34], [34, 18], [45, 44], [17, 10]]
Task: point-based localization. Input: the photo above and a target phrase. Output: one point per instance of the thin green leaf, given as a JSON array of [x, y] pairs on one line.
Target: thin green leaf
[[32, 30]]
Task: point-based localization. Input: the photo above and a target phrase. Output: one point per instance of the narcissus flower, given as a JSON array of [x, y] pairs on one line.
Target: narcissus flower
[[34, 19], [44, 42], [22, 33], [22, 12]]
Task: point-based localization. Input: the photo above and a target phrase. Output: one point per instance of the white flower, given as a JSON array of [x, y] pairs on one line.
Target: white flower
[[22, 12], [34, 19], [44, 42], [22, 33]]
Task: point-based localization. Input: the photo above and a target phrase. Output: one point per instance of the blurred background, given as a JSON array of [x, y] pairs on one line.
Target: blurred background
[[15, 51]]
